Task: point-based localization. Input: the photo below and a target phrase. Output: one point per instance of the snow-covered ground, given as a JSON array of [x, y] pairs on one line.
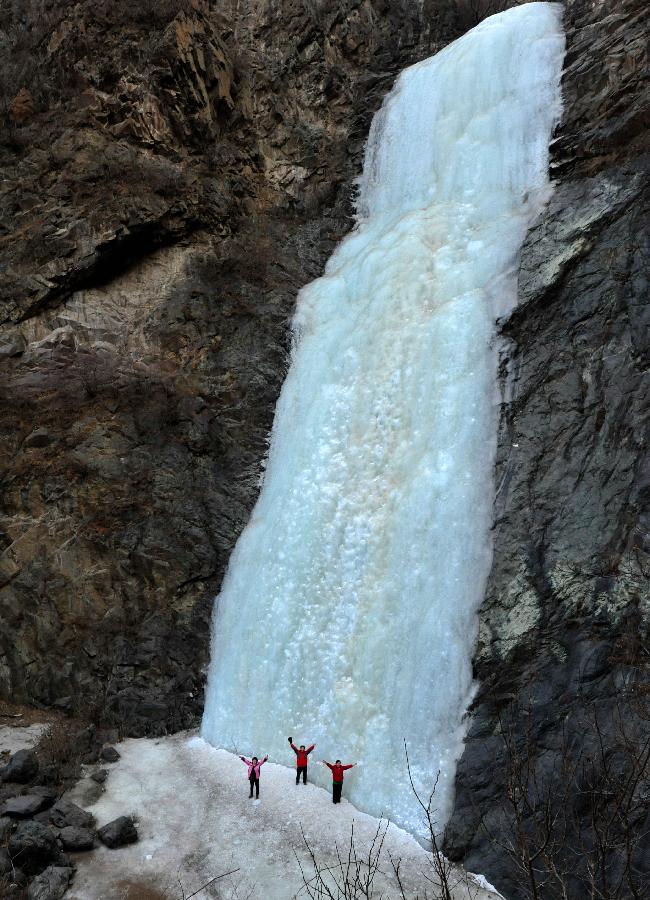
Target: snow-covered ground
[[16, 737], [195, 822]]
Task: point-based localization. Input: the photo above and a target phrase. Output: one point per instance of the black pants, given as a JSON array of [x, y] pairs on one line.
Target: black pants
[[337, 787], [302, 769], [254, 782]]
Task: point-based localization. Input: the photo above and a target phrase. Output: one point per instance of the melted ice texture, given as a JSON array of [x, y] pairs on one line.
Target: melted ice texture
[[348, 612]]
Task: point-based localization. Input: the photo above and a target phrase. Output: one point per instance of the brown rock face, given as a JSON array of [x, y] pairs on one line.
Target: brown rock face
[[184, 169]]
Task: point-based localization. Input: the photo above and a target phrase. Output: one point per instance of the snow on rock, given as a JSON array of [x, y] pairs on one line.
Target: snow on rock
[[195, 821]]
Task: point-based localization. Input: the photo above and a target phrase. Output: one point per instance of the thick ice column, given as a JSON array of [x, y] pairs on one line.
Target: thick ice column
[[348, 612]]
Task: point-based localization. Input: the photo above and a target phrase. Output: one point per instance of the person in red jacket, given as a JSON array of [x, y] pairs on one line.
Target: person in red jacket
[[337, 771], [301, 760]]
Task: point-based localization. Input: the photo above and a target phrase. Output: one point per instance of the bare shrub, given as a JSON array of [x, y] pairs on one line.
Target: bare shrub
[[351, 877], [578, 827], [59, 751], [445, 877]]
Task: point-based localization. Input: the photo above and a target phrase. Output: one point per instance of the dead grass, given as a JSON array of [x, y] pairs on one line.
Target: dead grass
[[14, 715]]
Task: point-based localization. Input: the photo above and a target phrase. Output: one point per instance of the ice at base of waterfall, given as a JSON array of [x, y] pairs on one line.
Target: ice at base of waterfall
[[196, 821]]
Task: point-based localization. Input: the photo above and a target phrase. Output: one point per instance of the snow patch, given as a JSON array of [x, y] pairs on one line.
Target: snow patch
[[195, 821], [20, 737]]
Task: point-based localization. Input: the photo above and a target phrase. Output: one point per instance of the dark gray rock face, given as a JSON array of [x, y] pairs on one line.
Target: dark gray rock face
[[50, 884], [562, 630], [118, 833], [21, 768]]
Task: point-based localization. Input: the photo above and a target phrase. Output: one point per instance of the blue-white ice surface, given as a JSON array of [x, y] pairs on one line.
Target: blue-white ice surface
[[348, 613]]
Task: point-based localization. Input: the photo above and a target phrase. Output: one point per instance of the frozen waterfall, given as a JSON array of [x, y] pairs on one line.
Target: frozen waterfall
[[348, 613]]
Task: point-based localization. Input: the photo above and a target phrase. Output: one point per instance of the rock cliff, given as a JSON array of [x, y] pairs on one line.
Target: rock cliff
[[563, 629], [173, 173]]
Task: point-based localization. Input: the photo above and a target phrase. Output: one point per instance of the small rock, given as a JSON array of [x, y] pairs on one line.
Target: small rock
[[118, 833], [23, 807], [99, 776], [50, 884], [75, 838], [64, 813], [22, 767], [34, 847], [109, 754]]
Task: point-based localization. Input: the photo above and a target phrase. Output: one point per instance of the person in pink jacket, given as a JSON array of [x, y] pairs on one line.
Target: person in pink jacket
[[254, 767]]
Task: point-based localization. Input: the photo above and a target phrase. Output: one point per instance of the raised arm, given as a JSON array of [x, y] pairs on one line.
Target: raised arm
[[247, 761], [325, 762], [294, 748], [262, 761], [351, 766], [309, 749]]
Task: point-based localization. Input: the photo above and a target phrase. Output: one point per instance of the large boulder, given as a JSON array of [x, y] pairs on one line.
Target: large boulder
[[65, 813], [118, 833], [21, 768], [50, 884], [34, 847], [73, 837], [24, 806]]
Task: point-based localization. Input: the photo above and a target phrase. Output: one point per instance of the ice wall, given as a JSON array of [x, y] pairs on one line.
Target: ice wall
[[348, 612]]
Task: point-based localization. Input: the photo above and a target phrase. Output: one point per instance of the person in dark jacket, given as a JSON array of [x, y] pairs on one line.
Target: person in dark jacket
[[301, 760], [337, 771], [254, 767]]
